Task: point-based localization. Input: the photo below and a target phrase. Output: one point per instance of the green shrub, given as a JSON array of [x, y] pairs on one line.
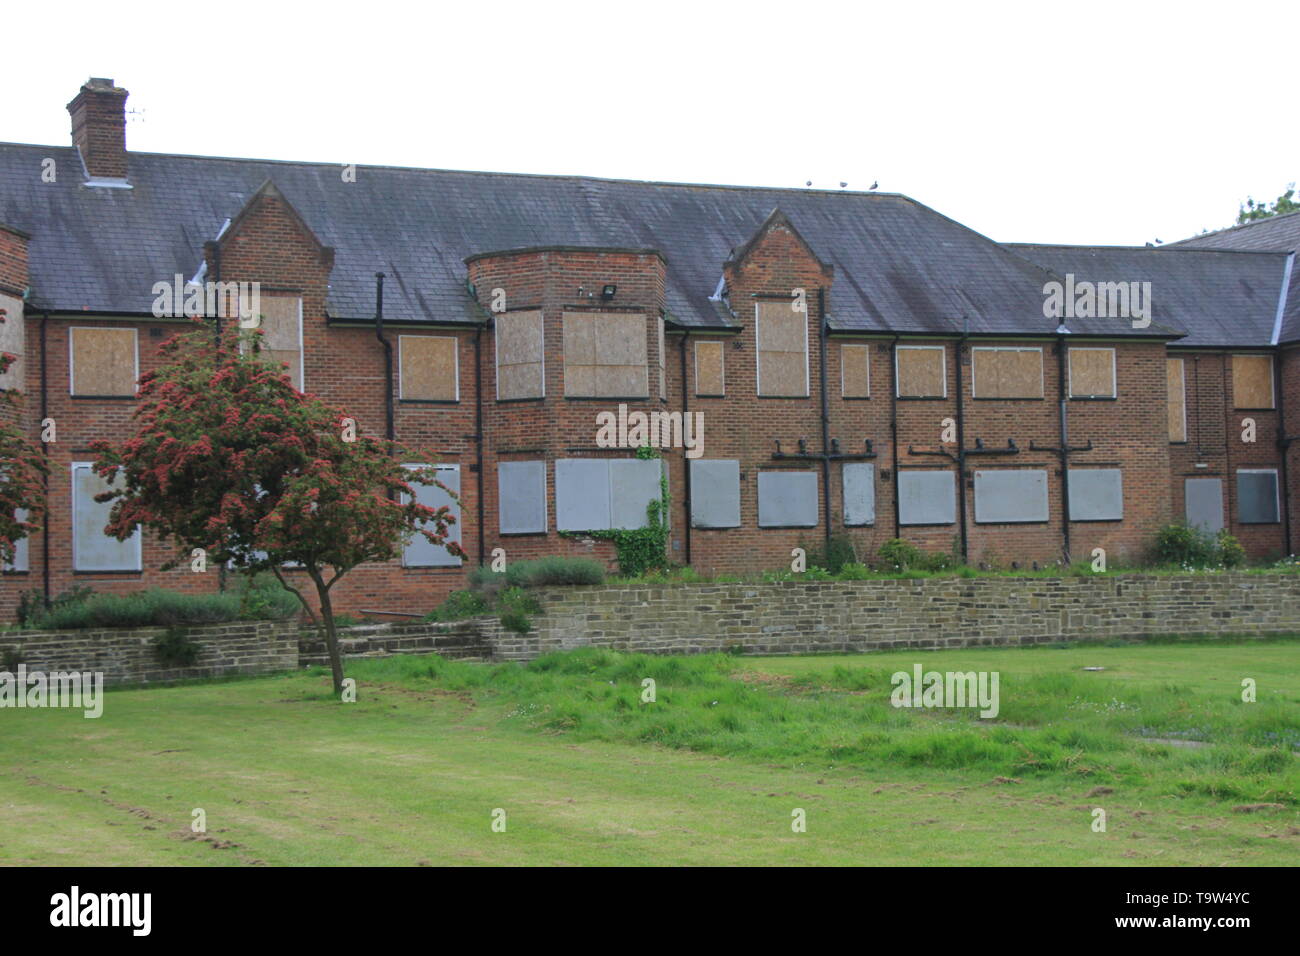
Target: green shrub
[[1188, 547], [554, 571], [899, 555], [460, 605], [175, 648], [1231, 553], [84, 609], [516, 607], [834, 554]]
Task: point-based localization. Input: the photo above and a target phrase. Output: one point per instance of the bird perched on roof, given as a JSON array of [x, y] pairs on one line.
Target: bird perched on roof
[[875, 183]]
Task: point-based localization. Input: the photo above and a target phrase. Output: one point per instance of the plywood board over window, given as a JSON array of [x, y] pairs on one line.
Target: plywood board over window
[[855, 371], [429, 368], [1175, 373], [12, 336], [520, 355], [922, 371], [782, 335], [605, 355], [710, 369], [1252, 381], [103, 362], [280, 322], [1092, 373], [1007, 372]]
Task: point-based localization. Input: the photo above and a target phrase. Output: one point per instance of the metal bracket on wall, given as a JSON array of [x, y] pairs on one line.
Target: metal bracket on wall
[[979, 449], [803, 454], [1034, 446]]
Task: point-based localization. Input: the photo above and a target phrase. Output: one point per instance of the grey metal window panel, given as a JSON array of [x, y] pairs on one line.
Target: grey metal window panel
[[582, 494], [421, 552], [1257, 497], [926, 497], [1096, 494], [1204, 499], [19, 562], [787, 499], [859, 493], [92, 550], [715, 493], [521, 496], [1010, 496], [633, 484]]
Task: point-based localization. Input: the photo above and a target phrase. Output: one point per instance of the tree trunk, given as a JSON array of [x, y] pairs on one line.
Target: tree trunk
[[331, 635]]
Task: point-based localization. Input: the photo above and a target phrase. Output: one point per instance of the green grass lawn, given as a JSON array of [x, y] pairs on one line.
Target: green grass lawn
[[707, 774]]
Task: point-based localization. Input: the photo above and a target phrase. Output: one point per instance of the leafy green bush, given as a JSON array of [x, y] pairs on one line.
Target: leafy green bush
[[1231, 553], [175, 648], [554, 571], [899, 555], [460, 605], [1188, 547], [835, 554], [85, 609], [516, 607]]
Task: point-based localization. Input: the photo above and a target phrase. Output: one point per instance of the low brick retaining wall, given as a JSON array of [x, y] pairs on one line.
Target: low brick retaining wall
[[127, 656], [795, 618], [786, 618]]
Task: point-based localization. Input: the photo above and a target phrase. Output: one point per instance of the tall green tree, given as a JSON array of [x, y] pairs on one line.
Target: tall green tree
[[229, 457], [1250, 210], [22, 470]]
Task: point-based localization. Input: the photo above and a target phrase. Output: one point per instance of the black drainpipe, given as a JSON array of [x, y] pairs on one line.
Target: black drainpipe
[[893, 428], [45, 451], [389, 431], [1063, 399], [826, 421], [686, 462], [478, 438], [961, 453], [1285, 447]]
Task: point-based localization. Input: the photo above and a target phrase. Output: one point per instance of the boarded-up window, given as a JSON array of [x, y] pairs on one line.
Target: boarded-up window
[[715, 493], [782, 335], [926, 497], [1252, 381], [521, 363], [598, 494], [1175, 375], [1092, 373], [430, 368], [521, 496], [281, 325], [1203, 498], [92, 549], [787, 499], [710, 371], [103, 362], [12, 340], [855, 371], [420, 552], [605, 355], [922, 371], [19, 561], [1010, 496], [1257, 496], [1096, 494], [859, 493], [1006, 372]]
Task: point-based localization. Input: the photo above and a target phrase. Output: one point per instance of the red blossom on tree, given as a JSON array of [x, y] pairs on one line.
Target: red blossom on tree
[[231, 458], [22, 470]]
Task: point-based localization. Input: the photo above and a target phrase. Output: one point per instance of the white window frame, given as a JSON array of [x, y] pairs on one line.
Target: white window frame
[[723, 343], [943, 370], [460, 562], [1042, 387], [22, 555], [758, 355], [1277, 493], [854, 345], [1114, 372], [137, 537], [302, 350], [72, 358], [496, 362], [401, 385]]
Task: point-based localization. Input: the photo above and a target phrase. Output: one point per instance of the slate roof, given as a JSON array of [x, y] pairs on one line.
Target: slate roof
[[1216, 298], [1277, 234], [899, 266]]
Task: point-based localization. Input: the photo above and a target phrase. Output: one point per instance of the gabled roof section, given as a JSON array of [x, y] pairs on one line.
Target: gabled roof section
[[1215, 298], [1274, 234], [268, 190], [776, 218]]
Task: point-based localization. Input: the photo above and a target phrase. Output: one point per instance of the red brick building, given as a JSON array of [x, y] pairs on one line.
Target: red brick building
[[861, 365]]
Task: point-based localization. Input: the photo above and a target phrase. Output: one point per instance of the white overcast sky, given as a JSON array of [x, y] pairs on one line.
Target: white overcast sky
[[1109, 123]]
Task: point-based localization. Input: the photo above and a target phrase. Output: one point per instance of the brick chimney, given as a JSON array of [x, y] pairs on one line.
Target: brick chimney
[[99, 127]]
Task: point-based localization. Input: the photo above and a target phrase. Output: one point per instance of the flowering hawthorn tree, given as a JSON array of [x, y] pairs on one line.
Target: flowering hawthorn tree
[[229, 457], [22, 471]]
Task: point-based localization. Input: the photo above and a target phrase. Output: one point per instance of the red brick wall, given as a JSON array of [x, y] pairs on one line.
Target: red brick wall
[[99, 128]]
